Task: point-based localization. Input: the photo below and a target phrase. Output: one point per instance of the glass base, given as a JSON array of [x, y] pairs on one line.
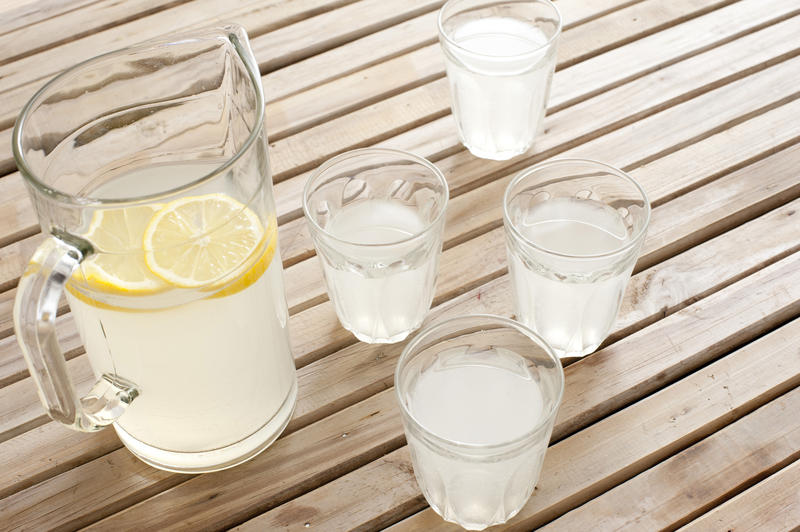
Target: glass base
[[574, 355], [468, 524], [494, 155], [216, 459], [399, 337]]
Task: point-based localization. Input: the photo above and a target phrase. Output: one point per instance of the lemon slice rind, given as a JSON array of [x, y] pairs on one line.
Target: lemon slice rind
[[202, 241]]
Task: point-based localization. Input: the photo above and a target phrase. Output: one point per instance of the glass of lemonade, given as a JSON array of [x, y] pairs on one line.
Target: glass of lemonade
[[500, 58], [478, 396], [574, 229], [148, 170], [376, 217]]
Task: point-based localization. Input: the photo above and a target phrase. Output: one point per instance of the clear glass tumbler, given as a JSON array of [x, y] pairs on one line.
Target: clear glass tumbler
[[376, 217], [478, 396], [500, 58], [574, 229]]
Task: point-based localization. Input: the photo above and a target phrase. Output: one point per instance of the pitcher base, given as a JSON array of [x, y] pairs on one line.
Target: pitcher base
[[216, 459]]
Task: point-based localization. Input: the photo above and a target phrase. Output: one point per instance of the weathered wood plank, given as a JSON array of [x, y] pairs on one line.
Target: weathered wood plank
[[310, 147], [698, 478], [698, 333], [736, 454], [313, 35], [20, 13], [311, 107], [369, 428], [468, 271], [733, 198], [295, 238], [608, 368], [603, 112], [618, 65], [38, 35], [567, 129], [773, 504], [620, 446], [21, 78], [738, 202], [634, 22], [480, 209]]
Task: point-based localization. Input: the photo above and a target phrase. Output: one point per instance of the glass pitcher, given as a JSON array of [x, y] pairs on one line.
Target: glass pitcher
[[148, 171]]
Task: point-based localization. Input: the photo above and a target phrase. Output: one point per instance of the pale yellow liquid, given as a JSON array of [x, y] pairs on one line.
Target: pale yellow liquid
[[211, 370]]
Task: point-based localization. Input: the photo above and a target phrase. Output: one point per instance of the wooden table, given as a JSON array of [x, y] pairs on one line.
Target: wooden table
[[688, 416]]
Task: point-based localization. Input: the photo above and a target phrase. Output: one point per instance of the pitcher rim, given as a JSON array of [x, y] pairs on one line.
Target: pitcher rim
[[230, 31]]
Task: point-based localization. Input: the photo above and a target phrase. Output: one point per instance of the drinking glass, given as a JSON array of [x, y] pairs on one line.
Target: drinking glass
[[376, 217], [148, 170], [500, 58], [478, 396], [573, 229]]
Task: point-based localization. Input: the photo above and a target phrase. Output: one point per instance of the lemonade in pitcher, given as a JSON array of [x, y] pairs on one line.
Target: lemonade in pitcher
[[185, 299], [148, 170]]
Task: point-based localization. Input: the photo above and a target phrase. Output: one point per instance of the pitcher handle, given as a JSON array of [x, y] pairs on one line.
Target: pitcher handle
[[35, 306]]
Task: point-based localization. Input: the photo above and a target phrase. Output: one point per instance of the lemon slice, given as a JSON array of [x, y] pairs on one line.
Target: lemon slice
[[201, 241], [119, 266]]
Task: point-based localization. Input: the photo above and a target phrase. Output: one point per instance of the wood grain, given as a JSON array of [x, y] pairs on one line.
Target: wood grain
[[296, 240], [620, 446], [772, 504], [681, 418], [642, 307], [698, 334], [703, 475], [732, 196]]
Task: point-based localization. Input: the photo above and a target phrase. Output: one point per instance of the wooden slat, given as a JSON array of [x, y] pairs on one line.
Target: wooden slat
[[701, 151], [299, 242], [310, 147], [20, 13], [736, 454], [618, 65], [15, 191], [662, 56], [680, 222], [20, 79], [748, 51], [703, 475], [628, 442], [592, 118], [464, 268], [720, 204], [480, 209], [289, 466], [38, 35], [773, 504], [350, 57], [366, 86], [651, 292], [635, 22], [313, 35], [703, 331]]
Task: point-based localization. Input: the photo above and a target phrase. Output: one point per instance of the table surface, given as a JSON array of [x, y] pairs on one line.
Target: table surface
[[686, 417]]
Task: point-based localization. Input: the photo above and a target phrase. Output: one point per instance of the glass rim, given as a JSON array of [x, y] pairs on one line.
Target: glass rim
[[230, 31], [634, 241], [351, 154], [492, 319], [450, 41]]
